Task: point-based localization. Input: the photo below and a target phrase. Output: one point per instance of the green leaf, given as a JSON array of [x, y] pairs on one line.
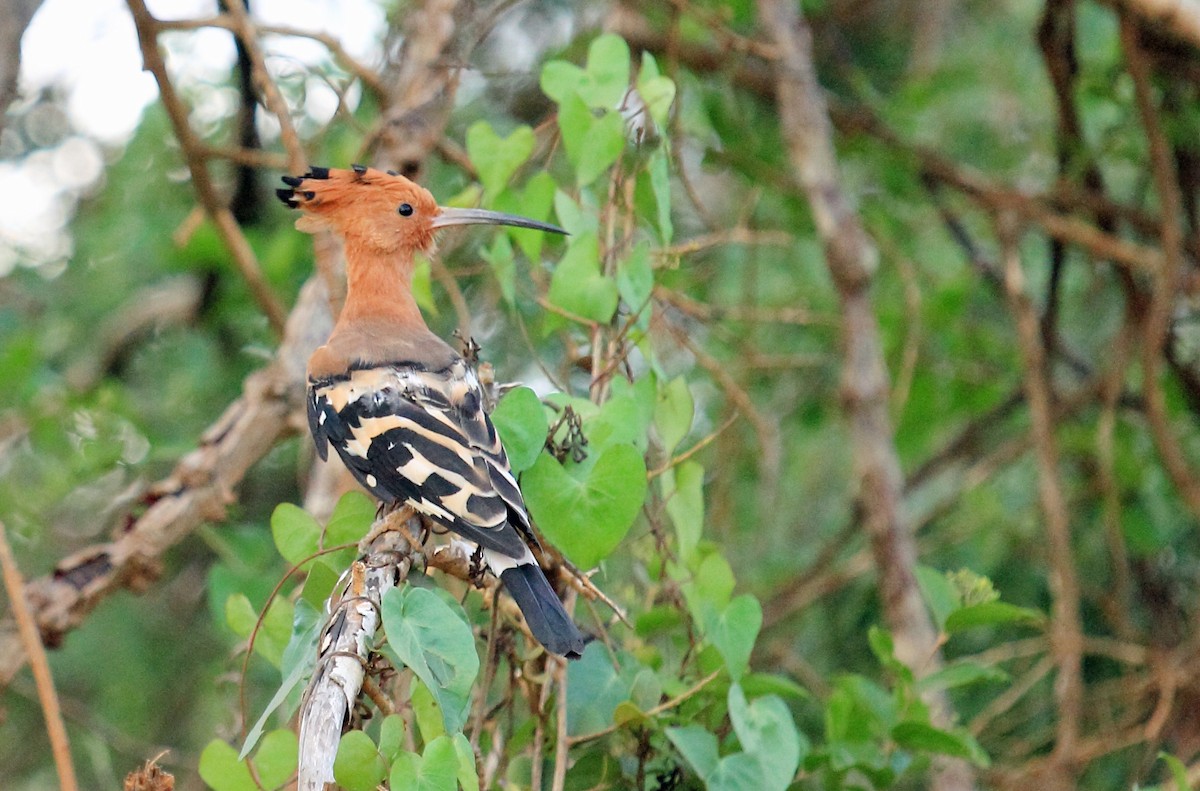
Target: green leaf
[[674, 412], [710, 587], [295, 532], [766, 731], [939, 593], [427, 713], [536, 201], [296, 666], [683, 493], [577, 219], [422, 284], [602, 84], [697, 746], [468, 778], [993, 613], [594, 690], [435, 641], [1178, 771], [351, 519], [521, 420], [916, 735], [658, 169], [276, 759], [222, 771], [759, 684], [657, 94], [635, 278], [561, 79], [358, 766], [738, 772], [586, 512], [319, 584], [607, 71], [276, 631], [601, 146], [391, 736], [884, 649], [497, 158], [435, 770], [593, 143], [734, 631], [961, 674], [240, 614], [504, 266], [577, 285], [621, 420]]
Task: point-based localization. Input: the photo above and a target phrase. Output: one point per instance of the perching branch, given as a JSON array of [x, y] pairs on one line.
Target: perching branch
[[345, 645]]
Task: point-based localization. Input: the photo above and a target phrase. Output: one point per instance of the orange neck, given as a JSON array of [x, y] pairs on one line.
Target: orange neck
[[379, 287]]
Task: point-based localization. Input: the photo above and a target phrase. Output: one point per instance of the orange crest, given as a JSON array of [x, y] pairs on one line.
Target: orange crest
[[368, 208]]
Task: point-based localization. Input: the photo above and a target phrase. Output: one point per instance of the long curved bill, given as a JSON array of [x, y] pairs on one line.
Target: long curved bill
[[449, 217]]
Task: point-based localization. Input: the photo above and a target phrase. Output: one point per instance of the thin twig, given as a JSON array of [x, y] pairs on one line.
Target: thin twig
[[244, 29], [1162, 298], [14, 585], [666, 705], [1066, 632], [675, 461], [227, 227]]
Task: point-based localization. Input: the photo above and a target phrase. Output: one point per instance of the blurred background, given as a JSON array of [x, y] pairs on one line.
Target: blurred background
[[979, 143]]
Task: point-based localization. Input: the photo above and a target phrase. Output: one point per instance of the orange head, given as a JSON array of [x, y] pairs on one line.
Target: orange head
[[381, 212]]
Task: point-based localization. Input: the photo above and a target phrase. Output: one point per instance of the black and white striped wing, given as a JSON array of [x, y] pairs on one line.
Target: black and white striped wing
[[422, 437]]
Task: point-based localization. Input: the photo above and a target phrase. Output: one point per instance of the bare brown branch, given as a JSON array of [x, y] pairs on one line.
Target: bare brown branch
[[228, 228], [1066, 631], [851, 259]]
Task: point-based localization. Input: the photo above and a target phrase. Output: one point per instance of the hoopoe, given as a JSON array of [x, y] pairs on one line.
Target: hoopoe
[[402, 408]]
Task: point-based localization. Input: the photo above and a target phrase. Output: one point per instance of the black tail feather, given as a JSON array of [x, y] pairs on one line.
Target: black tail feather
[[543, 611]]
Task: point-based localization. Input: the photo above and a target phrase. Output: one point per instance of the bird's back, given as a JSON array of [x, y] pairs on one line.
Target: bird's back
[[415, 431]]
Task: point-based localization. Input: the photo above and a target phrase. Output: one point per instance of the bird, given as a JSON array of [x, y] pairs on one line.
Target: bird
[[404, 410]]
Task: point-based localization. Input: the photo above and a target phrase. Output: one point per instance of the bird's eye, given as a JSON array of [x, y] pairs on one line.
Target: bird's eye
[[405, 210]]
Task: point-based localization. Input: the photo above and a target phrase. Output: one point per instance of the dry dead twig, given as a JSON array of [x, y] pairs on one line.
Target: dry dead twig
[[14, 586]]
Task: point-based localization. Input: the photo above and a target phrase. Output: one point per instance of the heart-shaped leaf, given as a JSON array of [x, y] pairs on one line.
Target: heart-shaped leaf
[[295, 532], [578, 287], [436, 770], [585, 510], [496, 158], [734, 631], [683, 491], [358, 766], [607, 76], [657, 91], [602, 84], [222, 771], [429, 636], [766, 731], [521, 420]]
